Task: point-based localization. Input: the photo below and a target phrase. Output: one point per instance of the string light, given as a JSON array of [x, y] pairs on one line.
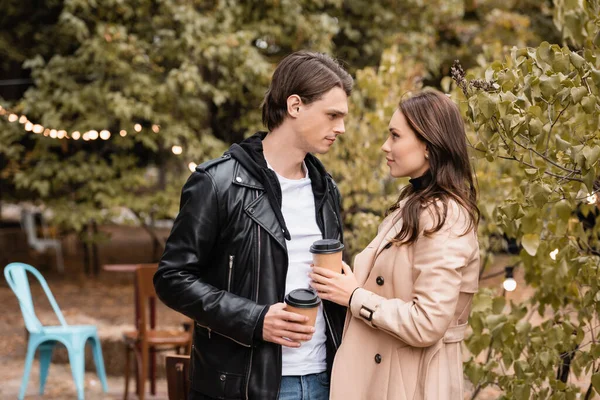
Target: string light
[[104, 134], [553, 254], [592, 198], [509, 283], [177, 150], [29, 126]]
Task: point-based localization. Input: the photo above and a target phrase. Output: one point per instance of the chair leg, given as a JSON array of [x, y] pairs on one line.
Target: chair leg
[[152, 371], [77, 361], [99, 361], [27, 370], [142, 371], [46, 350], [127, 362]]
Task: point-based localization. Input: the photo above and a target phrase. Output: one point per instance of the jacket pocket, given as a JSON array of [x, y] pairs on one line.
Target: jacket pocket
[[230, 273], [407, 358], [219, 368]]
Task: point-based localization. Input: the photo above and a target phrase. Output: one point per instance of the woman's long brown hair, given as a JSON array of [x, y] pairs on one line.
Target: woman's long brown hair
[[436, 121]]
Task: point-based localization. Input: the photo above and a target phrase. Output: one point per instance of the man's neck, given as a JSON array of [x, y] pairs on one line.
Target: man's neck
[[283, 155]]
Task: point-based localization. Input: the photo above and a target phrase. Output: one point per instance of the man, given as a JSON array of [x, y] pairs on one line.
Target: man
[[241, 242]]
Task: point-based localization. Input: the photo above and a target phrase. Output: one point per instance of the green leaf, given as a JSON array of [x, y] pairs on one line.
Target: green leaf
[[563, 210], [562, 144], [486, 105], [577, 93], [549, 85], [498, 305], [596, 382], [535, 127], [494, 321], [588, 180], [591, 155], [577, 60], [544, 52], [530, 243], [545, 358], [589, 104], [523, 327]]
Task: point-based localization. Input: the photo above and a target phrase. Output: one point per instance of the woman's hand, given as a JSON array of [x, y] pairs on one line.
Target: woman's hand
[[333, 286]]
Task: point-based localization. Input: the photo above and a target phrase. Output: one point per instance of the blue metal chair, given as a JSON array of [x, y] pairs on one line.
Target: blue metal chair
[[74, 337]]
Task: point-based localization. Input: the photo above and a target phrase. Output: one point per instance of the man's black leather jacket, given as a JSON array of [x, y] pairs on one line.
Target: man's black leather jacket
[[226, 260]]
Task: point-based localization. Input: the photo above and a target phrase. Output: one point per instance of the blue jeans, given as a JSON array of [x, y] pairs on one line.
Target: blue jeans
[[307, 387]]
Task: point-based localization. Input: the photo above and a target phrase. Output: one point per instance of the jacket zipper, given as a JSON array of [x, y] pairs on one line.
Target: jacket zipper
[[256, 299], [330, 328], [220, 334], [230, 273]]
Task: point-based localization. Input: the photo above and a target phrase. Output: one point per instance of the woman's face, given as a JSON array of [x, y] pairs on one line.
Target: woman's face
[[404, 152]]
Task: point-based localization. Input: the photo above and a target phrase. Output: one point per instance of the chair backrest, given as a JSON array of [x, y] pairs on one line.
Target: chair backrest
[[178, 384], [146, 295], [28, 222], [16, 276]]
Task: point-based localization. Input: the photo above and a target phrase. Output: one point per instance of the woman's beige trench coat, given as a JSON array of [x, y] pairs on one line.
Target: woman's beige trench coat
[[404, 328]]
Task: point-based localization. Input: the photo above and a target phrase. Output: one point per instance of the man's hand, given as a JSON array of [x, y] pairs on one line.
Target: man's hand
[[285, 328]]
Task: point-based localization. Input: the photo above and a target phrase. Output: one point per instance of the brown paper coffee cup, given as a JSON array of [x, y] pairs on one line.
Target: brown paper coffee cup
[[332, 261], [311, 313], [327, 253], [303, 302]]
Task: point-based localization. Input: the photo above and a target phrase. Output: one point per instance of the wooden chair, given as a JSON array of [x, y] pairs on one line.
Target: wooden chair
[[178, 381], [147, 339]]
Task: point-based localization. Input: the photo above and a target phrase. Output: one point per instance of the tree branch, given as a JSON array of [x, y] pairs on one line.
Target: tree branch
[[552, 126]]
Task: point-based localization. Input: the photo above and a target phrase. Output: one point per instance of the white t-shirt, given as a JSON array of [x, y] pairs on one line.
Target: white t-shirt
[[298, 209]]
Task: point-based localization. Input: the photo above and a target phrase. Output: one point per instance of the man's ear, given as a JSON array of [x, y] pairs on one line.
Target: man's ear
[[294, 104]]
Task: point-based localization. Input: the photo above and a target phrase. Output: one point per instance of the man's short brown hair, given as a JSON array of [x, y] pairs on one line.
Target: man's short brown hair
[[306, 74]]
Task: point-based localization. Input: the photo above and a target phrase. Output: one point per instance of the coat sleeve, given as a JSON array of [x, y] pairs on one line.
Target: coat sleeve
[[437, 264], [179, 279]]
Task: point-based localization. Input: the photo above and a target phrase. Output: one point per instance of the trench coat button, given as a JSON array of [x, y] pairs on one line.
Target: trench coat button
[[251, 210], [238, 179], [222, 377], [380, 280], [378, 358]]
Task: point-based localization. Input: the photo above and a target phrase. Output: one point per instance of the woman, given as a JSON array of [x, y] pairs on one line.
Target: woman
[[410, 294]]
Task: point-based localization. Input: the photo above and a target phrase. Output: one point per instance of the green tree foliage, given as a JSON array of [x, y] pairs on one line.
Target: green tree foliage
[[190, 73], [198, 71], [536, 121]]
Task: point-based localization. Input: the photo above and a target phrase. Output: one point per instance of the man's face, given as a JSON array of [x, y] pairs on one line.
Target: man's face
[[319, 123]]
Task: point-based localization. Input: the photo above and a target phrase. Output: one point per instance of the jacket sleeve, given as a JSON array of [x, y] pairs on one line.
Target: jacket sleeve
[[178, 281], [437, 264]]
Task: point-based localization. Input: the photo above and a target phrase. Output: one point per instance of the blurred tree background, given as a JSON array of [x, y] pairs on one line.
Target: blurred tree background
[[175, 82]]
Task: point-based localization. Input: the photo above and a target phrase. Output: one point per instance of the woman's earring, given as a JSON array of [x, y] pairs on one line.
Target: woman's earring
[[426, 156]]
